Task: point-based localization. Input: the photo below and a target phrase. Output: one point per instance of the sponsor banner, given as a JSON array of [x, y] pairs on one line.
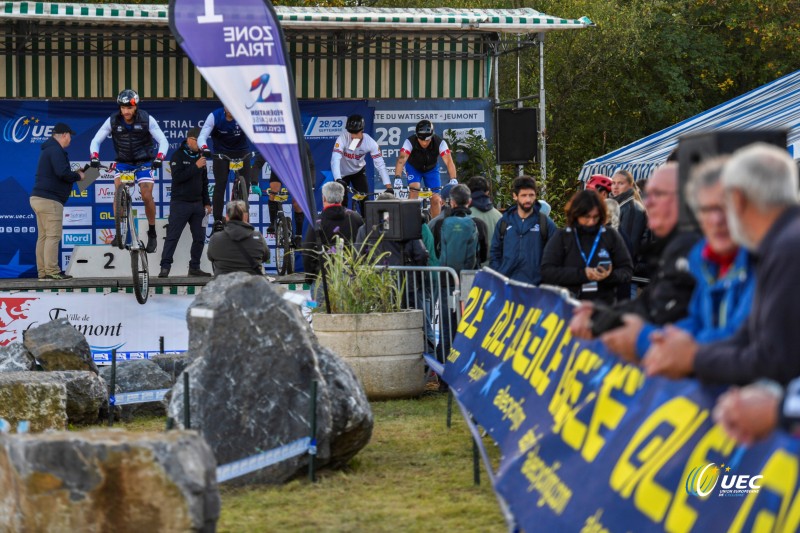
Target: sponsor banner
[[75, 237], [104, 236], [108, 321], [588, 444], [77, 216]]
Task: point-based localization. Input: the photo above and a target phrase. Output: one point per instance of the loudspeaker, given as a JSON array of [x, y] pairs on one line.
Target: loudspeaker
[[396, 220], [516, 135], [696, 148]]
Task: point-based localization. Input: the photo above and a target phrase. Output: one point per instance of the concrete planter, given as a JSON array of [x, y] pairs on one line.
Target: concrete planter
[[384, 350]]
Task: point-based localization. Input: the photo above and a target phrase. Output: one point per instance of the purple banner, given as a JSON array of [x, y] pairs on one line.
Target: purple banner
[[238, 47]]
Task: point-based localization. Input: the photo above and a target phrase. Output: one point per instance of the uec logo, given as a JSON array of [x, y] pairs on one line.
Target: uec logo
[[700, 482], [18, 130]]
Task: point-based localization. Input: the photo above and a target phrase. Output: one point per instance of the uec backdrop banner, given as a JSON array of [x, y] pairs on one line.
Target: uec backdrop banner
[[589, 444], [88, 217]]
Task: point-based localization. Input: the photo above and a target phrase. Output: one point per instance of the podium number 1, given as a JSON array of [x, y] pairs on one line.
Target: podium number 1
[[210, 16]]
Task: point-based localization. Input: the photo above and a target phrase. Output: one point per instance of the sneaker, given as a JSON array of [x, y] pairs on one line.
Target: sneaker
[[199, 273], [255, 189], [164, 273], [218, 226], [152, 243], [57, 277]]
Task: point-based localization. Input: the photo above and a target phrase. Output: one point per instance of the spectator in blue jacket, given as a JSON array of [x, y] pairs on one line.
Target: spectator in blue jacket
[[516, 250], [54, 179], [724, 274]]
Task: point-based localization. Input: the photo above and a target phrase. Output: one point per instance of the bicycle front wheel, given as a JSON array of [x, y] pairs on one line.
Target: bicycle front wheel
[[122, 204], [241, 191], [286, 245], [141, 275]]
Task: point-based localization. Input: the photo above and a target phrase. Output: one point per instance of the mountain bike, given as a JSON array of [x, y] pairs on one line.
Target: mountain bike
[[284, 236], [125, 225], [356, 197], [425, 195], [241, 186]]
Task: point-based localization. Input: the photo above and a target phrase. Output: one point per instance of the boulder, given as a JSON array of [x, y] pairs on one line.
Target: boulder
[[135, 376], [14, 358], [59, 346], [254, 360], [172, 364], [43, 403], [87, 394], [107, 480]]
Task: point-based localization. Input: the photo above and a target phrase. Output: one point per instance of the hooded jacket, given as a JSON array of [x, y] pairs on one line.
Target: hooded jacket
[[483, 209], [54, 177], [334, 220], [228, 256], [518, 254]]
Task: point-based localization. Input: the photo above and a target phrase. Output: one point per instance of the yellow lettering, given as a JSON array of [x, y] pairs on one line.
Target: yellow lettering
[[539, 378], [473, 312], [523, 333], [564, 405], [780, 477], [649, 450], [502, 328], [608, 412], [552, 325]]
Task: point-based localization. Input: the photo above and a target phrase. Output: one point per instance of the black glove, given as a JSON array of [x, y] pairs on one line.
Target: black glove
[[389, 190], [156, 163], [95, 161], [206, 153], [342, 183]]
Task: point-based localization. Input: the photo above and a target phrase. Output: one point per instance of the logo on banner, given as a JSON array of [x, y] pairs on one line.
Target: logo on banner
[[104, 193], [262, 92], [12, 310], [77, 238], [77, 216], [19, 129], [702, 481]]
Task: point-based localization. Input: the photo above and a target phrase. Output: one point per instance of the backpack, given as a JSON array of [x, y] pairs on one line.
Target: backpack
[[459, 243], [543, 231]]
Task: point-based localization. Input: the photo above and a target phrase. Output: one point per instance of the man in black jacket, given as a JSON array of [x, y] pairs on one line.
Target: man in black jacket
[[239, 247], [190, 203], [54, 179], [760, 183], [334, 220], [666, 298]]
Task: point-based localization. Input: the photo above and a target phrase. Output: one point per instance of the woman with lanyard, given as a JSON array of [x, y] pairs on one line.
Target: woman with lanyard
[[587, 258]]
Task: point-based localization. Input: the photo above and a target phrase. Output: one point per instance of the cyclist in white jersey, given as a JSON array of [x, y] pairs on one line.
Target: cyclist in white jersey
[[348, 161]]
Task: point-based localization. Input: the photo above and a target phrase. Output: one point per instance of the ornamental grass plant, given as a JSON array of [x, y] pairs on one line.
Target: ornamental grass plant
[[357, 284]]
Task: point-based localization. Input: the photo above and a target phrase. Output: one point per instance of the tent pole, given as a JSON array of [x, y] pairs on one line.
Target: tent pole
[[520, 168], [497, 92], [542, 130]]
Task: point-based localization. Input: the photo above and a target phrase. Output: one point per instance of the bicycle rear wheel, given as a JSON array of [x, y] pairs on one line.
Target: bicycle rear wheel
[[286, 244], [141, 274], [279, 228], [121, 206], [241, 191]]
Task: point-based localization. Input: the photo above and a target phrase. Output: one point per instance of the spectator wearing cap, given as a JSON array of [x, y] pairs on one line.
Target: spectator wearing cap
[[54, 179], [601, 184], [189, 204]]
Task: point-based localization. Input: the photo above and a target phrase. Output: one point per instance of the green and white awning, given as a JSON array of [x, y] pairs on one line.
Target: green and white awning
[[515, 21]]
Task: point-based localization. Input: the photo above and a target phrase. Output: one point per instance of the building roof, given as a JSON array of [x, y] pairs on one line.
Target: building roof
[[515, 21], [773, 106]]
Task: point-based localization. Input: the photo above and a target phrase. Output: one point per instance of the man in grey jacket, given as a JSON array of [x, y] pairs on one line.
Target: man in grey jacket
[[239, 247]]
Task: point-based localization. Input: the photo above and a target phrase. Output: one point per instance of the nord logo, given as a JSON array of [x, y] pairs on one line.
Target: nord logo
[[73, 239]]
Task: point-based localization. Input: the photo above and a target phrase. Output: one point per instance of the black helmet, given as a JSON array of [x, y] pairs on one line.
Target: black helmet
[[355, 124], [424, 129], [128, 97]]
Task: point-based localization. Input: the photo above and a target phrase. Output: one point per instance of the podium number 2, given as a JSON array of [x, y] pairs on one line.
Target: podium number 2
[[110, 260], [209, 16]]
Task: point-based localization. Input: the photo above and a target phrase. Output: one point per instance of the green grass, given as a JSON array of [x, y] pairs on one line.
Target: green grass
[[414, 475]]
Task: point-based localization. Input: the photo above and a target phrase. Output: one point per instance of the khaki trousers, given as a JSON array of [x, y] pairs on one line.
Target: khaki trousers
[[49, 216]]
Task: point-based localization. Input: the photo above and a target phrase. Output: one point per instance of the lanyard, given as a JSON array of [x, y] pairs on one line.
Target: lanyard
[[594, 246]]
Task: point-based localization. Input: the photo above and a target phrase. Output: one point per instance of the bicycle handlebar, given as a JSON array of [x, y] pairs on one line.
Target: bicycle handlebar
[[224, 157]]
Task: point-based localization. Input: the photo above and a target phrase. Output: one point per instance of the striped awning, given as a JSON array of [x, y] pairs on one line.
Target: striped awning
[[773, 106], [515, 21]]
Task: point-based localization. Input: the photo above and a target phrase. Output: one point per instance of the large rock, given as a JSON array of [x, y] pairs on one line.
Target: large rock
[[59, 346], [15, 357], [86, 391], [255, 359], [135, 376], [111, 480], [43, 403], [172, 364]]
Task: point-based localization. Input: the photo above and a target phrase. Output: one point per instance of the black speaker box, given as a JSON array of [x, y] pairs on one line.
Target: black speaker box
[[696, 148], [516, 135], [397, 220]]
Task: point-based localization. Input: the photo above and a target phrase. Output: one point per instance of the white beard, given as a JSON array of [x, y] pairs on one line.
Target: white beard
[[737, 229]]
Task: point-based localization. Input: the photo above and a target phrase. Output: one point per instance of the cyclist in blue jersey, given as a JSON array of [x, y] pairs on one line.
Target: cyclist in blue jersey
[[134, 133], [230, 140], [420, 155]]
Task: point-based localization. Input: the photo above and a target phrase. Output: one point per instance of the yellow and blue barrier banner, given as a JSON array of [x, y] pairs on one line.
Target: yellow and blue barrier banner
[[589, 444]]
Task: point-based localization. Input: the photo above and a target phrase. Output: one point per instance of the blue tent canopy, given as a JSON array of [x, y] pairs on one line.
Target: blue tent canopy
[[775, 105]]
